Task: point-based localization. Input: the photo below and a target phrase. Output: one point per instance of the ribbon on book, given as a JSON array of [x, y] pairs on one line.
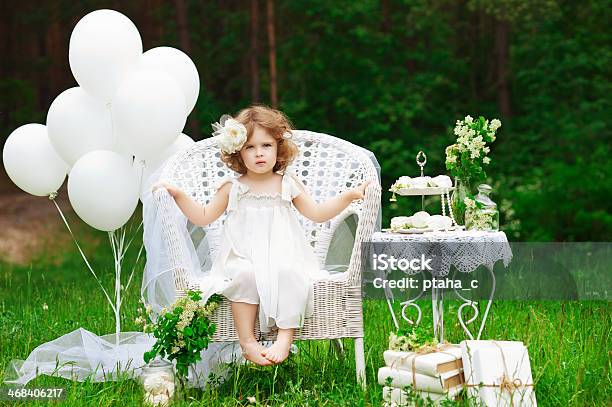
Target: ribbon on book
[[506, 383], [422, 351]]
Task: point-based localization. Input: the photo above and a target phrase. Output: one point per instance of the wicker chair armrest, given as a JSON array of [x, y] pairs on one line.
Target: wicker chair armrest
[[326, 236], [365, 228]]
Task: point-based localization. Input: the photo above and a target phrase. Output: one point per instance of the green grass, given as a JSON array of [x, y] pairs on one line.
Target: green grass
[[569, 343]]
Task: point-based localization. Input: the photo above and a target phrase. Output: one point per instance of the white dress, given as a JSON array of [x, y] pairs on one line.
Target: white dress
[[265, 253]]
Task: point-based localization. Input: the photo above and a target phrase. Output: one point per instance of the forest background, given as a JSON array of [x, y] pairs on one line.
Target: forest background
[[392, 76]]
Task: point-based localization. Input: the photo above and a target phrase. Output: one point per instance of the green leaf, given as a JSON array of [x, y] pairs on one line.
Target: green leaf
[[149, 355]]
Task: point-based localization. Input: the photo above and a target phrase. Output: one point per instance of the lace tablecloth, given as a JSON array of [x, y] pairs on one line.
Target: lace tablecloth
[[466, 250]]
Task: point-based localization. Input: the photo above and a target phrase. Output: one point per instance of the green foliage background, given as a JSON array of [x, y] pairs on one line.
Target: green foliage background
[[393, 76]]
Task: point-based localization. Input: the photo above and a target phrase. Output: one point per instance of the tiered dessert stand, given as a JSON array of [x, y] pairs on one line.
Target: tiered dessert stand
[[463, 250], [443, 192]]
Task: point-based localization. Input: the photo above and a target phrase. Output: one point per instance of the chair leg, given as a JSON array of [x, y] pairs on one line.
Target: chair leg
[[360, 362]]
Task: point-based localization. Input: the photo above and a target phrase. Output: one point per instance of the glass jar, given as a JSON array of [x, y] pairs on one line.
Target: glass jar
[[461, 191], [159, 383], [483, 215]]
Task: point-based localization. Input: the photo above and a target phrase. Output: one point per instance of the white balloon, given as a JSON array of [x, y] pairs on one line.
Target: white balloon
[[77, 124], [182, 141], [148, 112], [31, 162], [103, 189], [122, 149], [180, 67], [152, 164], [104, 46]]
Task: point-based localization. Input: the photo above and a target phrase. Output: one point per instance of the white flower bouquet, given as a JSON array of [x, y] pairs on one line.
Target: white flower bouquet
[[184, 330], [411, 339], [467, 157]]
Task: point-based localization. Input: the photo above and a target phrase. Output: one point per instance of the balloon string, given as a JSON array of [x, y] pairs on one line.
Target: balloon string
[[116, 247], [119, 250], [137, 257], [121, 240], [111, 238], [112, 244], [133, 269], [115, 244], [133, 236], [121, 245], [83, 254]]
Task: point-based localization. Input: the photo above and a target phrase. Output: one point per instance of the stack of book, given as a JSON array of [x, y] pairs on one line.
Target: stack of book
[[436, 376]]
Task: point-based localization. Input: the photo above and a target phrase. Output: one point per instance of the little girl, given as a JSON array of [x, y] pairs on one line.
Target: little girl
[[264, 250]]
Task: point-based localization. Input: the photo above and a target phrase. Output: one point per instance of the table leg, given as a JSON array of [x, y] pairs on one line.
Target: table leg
[[437, 306], [390, 305], [473, 304], [405, 308]]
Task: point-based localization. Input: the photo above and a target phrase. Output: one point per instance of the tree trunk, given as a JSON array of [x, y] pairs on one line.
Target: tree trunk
[[385, 20], [7, 68], [152, 28], [55, 51], [42, 79], [182, 29], [181, 26], [255, 97], [6, 42], [502, 57], [272, 54]]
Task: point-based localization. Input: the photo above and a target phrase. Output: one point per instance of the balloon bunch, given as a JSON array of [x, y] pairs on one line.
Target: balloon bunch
[[122, 122], [129, 103]]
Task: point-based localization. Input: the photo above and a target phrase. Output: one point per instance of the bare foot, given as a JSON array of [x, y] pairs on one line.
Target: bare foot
[[277, 352], [251, 350]]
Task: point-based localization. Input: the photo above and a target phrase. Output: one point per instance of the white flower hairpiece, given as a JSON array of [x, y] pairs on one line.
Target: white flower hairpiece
[[232, 134], [287, 135]]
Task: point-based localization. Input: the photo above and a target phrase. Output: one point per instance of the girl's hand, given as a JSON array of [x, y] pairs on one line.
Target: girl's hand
[[359, 192], [172, 190]]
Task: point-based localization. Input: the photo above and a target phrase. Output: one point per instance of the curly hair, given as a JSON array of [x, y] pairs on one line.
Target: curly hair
[[276, 124]]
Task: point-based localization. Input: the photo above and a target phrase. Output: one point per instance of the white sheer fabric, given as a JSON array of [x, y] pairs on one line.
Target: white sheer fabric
[[81, 355]]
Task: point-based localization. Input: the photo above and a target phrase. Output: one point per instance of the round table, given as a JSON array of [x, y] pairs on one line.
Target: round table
[[464, 250]]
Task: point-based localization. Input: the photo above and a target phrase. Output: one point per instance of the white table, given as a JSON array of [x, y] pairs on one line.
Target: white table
[[465, 250]]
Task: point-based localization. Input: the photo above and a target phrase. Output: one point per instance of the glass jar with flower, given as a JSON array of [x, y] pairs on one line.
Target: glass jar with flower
[[183, 331], [481, 212], [158, 382], [467, 157]]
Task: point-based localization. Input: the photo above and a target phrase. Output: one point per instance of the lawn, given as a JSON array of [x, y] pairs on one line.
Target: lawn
[[568, 341]]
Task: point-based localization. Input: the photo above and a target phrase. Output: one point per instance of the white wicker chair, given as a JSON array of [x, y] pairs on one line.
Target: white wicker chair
[[327, 166]]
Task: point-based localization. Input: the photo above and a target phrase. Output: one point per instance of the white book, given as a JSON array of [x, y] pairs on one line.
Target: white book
[[401, 378], [399, 397], [487, 363], [431, 364]]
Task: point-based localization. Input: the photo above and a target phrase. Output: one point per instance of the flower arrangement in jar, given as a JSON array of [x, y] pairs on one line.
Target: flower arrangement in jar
[[183, 331], [481, 212], [467, 158]]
